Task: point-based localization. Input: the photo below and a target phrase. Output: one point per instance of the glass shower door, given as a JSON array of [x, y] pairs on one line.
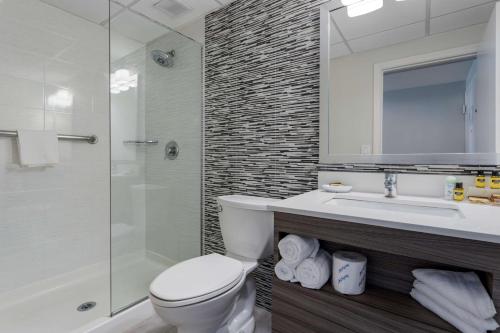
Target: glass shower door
[[156, 154]]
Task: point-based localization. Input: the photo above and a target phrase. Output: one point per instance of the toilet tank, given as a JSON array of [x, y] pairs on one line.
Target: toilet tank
[[247, 225]]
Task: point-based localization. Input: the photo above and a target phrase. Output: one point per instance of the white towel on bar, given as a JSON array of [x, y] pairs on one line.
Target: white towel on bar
[[463, 289], [446, 315], [285, 272], [37, 148], [479, 323], [313, 273], [294, 249]]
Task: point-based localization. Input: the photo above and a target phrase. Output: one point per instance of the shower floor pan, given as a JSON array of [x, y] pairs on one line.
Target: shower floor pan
[[54, 310]]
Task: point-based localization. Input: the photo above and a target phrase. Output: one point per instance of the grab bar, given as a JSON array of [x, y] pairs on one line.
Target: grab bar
[[138, 142], [92, 139]]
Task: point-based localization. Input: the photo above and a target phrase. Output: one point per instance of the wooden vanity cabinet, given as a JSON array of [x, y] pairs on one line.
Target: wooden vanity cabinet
[[386, 306]]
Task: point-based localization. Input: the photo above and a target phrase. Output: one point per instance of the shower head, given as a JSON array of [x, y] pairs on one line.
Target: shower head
[[162, 58]]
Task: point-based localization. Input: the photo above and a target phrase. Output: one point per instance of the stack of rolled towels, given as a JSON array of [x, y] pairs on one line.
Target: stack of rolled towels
[[303, 261], [458, 298]]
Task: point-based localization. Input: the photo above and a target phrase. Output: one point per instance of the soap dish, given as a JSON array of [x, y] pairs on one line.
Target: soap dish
[[337, 188]]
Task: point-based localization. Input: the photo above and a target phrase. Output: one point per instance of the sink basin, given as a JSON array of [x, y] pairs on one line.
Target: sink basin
[[420, 207]]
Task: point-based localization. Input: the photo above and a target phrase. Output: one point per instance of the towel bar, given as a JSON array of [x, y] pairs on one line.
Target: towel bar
[[92, 139]]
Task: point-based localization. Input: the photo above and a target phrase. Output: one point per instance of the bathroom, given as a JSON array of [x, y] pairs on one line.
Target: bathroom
[[158, 157]]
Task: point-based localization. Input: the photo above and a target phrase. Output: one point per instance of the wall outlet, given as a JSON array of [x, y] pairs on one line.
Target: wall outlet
[[366, 149]]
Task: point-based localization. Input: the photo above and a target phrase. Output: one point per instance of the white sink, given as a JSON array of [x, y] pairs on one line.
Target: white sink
[[404, 205]]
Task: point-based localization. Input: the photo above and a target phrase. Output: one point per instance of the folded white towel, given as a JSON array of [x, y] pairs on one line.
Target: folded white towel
[[463, 289], [284, 272], [479, 323], [37, 148], [314, 272], [429, 304], [294, 249]]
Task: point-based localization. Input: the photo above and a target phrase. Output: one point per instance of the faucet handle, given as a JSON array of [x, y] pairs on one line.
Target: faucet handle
[[391, 178], [390, 184]]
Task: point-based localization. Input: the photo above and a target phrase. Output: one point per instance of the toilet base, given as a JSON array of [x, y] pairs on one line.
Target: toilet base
[[241, 319], [248, 327], [237, 308]]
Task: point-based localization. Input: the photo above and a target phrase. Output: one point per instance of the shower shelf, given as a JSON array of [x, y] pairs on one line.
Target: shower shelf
[[92, 139], [139, 142]]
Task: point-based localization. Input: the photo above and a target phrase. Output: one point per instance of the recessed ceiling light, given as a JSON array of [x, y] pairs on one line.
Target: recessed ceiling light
[[62, 99], [122, 80], [364, 7], [349, 2]]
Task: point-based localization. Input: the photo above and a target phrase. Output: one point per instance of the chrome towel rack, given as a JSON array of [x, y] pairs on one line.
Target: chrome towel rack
[[92, 139]]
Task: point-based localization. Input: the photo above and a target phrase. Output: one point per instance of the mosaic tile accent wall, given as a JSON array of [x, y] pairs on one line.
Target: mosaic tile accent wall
[[261, 108]]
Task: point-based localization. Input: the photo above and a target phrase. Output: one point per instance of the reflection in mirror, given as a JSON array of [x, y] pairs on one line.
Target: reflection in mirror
[[431, 109], [413, 77]]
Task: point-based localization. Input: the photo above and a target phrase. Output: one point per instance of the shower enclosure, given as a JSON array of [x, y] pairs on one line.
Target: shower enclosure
[[156, 159], [82, 239]]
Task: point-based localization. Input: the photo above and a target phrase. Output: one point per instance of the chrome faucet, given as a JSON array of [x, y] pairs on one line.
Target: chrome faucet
[[391, 185]]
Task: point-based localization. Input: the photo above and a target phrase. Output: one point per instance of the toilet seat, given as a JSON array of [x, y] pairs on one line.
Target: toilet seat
[[197, 280]]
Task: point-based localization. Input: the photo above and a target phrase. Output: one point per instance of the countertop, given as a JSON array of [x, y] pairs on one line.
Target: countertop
[[478, 222]]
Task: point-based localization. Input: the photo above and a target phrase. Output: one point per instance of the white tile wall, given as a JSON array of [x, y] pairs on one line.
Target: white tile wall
[[174, 105], [52, 220]]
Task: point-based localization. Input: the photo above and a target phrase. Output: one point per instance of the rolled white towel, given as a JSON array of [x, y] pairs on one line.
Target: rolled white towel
[[479, 323], [446, 315], [314, 272], [294, 249], [284, 272], [463, 289]]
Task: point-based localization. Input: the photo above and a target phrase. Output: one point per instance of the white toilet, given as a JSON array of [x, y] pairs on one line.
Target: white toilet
[[213, 293]]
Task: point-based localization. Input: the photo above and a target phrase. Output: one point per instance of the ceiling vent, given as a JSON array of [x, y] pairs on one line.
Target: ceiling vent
[[172, 8]]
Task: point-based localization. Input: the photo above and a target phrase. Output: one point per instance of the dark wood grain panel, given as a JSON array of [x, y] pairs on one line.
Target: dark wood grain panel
[[305, 318], [368, 313], [287, 324], [470, 254], [392, 255], [392, 271]]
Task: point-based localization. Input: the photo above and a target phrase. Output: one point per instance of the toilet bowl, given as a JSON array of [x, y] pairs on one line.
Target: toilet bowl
[[213, 293]]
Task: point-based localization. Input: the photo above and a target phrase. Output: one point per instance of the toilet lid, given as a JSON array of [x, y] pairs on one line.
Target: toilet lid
[[246, 202], [199, 278]]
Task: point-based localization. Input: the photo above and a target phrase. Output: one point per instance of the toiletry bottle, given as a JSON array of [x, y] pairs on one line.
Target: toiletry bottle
[[480, 180], [459, 193], [449, 186], [495, 180]]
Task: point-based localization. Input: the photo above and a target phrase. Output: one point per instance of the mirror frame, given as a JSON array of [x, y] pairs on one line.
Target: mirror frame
[[326, 154]]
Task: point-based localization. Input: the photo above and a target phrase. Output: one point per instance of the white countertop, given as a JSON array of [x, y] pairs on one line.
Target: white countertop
[[479, 222]]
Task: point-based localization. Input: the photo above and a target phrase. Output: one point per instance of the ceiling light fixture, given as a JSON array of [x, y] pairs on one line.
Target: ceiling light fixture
[[349, 2], [364, 7], [61, 99], [122, 80]]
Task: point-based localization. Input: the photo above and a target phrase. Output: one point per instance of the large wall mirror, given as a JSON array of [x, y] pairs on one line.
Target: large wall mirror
[[410, 82]]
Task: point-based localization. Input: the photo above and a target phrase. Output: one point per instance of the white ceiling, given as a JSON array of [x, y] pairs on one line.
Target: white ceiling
[[196, 9], [401, 21], [92, 10], [138, 21]]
